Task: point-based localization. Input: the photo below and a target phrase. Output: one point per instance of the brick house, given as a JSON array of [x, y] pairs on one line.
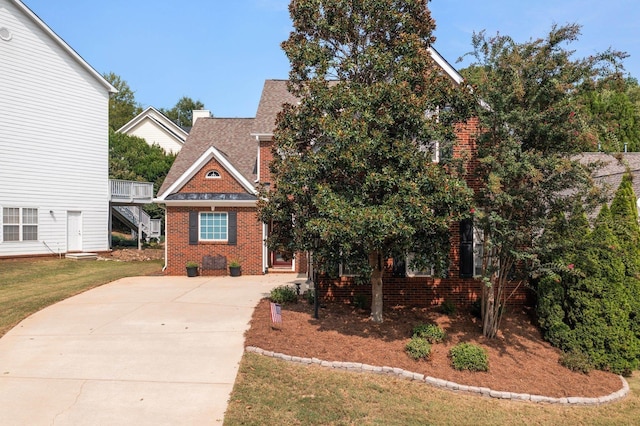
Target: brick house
[[210, 200]]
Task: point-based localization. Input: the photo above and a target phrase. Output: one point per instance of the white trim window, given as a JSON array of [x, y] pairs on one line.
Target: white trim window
[[213, 226], [347, 271], [19, 224], [417, 272]]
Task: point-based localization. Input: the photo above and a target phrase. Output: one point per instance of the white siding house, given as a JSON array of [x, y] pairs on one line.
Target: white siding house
[[54, 142], [155, 128]]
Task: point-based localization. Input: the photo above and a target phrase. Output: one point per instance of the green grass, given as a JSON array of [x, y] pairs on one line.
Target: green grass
[[291, 394], [29, 285]]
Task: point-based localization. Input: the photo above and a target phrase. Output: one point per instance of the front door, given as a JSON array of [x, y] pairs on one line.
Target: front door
[[74, 231], [281, 259]]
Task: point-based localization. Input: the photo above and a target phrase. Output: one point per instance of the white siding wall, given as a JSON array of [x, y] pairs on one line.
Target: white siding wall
[[53, 138], [154, 134]]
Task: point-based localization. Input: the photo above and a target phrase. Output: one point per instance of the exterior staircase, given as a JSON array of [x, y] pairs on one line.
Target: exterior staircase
[[138, 219]]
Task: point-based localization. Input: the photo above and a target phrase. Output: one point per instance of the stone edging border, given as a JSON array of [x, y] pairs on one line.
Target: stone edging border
[[444, 384]]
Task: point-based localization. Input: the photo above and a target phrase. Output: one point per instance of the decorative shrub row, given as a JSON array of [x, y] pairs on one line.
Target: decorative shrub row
[[431, 332]]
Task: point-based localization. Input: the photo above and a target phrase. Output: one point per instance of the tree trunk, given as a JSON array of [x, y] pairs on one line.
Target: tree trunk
[[376, 286], [490, 312]]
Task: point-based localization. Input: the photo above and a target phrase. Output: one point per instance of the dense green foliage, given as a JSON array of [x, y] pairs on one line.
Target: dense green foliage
[[525, 105], [418, 348], [589, 299], [615, 111], [467, 356], [353, 161], [122, 105], [182, 112], [284, 294], [431, 332]]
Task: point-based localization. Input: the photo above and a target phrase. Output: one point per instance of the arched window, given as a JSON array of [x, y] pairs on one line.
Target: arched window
[[213, 174]]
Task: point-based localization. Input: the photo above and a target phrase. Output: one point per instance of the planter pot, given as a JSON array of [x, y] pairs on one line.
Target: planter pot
[[192, 271], [234, 271]]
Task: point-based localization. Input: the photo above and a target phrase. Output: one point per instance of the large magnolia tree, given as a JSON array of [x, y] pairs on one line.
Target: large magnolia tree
[[354, 180], [532, 120]]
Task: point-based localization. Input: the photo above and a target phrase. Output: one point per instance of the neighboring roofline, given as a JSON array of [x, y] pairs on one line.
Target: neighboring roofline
[[40, 23], [197, 165], [213, 203], [179, 132], [445, 65]]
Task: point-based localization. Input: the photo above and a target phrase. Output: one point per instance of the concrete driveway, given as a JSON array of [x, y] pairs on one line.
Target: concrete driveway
[[138, 351]]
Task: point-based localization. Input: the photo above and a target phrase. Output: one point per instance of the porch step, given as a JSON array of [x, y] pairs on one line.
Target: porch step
[[81, 256]]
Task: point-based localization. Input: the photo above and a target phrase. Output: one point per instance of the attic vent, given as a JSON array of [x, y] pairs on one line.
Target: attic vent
[[5, 34], [213, 174]]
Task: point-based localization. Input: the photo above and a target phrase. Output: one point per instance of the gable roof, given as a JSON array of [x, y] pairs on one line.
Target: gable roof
[[158, 118], [228, 140], [68, 49]]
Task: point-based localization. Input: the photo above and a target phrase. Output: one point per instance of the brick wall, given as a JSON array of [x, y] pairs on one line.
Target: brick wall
[[225, 184], [248, 248]]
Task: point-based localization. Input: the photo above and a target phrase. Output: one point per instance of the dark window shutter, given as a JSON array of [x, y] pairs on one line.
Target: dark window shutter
[[466, 248], [399, 267], [193, 227], [232, 236]]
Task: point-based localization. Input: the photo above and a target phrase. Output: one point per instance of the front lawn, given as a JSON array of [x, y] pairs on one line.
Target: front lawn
[[29, 285]]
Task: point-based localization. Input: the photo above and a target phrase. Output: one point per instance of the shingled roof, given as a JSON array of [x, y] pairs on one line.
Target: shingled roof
[[274, 95], [231, 136], [614, 167]]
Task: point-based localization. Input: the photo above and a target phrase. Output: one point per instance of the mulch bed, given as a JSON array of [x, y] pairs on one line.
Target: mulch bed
[[519, 360]]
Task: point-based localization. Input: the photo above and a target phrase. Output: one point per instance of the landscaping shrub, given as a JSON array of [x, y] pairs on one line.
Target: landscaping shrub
[[576, 361], [588, 304], [418, 348], [360, 301], [284, 294], [448, 308], [310, 296], [466, 356], [431, 332]]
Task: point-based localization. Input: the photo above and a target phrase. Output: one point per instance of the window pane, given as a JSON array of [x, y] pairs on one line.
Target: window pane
[[213, 226], [11, 232], [30, 216], [29, 233], [11, 216]]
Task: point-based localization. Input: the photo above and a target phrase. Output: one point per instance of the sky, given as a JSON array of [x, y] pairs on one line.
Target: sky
[[221, 51]]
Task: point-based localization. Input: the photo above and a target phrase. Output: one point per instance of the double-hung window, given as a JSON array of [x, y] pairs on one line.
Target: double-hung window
[[214, 226], [19, 224]]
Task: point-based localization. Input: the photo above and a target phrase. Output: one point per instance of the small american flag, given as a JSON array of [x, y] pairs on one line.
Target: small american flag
[[276, 313]]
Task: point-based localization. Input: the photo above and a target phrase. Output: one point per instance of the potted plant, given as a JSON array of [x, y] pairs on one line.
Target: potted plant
[[192, 269], [234, 268]]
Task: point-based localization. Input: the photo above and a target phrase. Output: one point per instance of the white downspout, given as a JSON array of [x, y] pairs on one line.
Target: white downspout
[[164, 207]]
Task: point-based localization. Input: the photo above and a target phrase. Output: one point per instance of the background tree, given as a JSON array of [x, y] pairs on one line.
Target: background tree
[[531, 126], [182, 112], [354, 177], [122, 106], [615, 112], [131, 158]]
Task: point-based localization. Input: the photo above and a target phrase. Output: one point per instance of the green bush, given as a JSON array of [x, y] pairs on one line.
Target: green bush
[[576, 361], [448, 308], [466, 356], [284, 294], [418, 348], [360, 301], [310, 296], [431, 332], [588, 305], [118, 241]]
